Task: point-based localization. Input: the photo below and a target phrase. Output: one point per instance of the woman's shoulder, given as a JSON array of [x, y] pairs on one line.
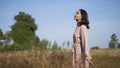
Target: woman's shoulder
[[83, 27]]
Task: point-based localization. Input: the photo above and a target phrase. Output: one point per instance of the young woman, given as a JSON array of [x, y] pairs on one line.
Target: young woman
[[81, 52]]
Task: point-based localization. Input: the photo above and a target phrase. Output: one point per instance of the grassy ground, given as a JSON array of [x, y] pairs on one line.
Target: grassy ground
[[102, 58]]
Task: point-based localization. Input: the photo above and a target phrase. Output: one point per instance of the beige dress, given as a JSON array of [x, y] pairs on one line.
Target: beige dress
[[80, 49]]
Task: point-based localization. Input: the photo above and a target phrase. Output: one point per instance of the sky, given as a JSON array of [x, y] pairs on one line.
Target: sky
[[54, 18]]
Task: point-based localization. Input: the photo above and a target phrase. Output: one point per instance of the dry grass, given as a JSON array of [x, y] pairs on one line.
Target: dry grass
[[106, 58], [102, 58]]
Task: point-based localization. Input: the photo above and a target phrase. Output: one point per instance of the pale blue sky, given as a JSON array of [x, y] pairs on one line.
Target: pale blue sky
[[55, 22]]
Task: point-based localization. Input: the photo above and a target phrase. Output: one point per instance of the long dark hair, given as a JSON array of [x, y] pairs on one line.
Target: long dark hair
[[84, 19]]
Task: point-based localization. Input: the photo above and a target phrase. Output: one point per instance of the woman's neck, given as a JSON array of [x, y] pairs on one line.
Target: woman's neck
[[78, 21]]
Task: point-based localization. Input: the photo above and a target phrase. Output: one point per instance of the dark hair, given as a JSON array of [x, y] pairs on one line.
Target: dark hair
[[84, 19]]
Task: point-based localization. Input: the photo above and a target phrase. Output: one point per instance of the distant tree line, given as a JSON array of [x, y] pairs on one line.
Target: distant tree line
[[22, 36], [113, 43]]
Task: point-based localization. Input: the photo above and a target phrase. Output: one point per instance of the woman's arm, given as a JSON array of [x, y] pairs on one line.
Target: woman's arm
[[84, 40]]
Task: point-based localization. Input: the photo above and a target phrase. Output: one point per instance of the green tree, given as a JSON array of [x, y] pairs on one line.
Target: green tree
[[36, 43], [114, 41], [68, 44], [60, 48], [44, 43], [63, 44], [118, 46], [5, 38], [23, 31], [55, 46], [1, 33], [36, 40]]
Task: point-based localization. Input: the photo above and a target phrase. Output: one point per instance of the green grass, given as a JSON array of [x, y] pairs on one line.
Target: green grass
[[102, 58]]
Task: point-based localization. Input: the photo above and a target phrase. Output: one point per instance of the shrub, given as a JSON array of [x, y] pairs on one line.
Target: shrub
[[95, 47]]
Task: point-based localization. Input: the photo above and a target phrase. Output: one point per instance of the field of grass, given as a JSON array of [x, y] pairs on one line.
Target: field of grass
[[102, 58]]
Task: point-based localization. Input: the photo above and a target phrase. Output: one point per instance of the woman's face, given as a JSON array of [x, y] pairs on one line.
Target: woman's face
[[77, 16]]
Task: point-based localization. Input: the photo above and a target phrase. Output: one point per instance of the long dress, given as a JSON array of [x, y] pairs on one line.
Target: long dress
[[80, 49]]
